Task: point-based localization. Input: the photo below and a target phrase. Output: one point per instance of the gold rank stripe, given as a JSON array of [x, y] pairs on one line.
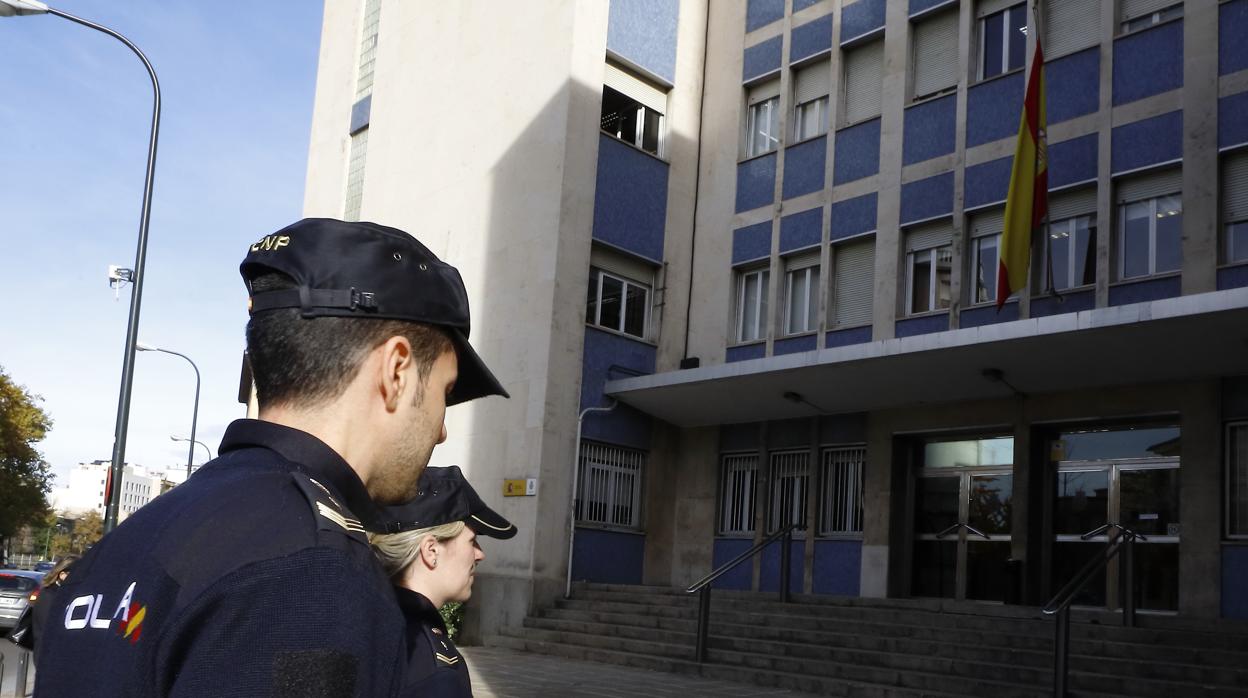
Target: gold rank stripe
[[449, 660], [349, 524]]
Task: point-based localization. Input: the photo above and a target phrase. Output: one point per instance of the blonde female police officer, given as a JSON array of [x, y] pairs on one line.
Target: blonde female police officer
[[431, 555]]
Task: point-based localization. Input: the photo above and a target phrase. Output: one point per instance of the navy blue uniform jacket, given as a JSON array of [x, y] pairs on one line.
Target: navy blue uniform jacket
[[435, 668], [253, 578]]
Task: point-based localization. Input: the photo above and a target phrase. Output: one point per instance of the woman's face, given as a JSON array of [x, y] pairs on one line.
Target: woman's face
[[457, 560]]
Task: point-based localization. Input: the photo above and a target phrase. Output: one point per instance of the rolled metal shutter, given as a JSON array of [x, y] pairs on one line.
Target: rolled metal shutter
[[1235, 187], [764, 91], [863, 81], [987, 7], [638, 89], [806, 258], [1151, 185], [929, 235], [1071, 25], [935, 57], [630, 268], [988, 222], [853, 282], [812, 82], [1081, 202], [1132, 9]]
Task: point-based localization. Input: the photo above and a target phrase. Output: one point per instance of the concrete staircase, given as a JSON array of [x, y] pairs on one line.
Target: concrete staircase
[[887, 647]]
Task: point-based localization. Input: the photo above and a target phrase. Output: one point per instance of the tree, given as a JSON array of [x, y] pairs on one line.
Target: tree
[[25, 477]]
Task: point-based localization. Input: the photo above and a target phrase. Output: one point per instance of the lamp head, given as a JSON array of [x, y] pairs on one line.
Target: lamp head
[[141, 346], [14, 8]]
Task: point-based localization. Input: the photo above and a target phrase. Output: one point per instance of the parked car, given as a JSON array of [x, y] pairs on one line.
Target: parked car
[[16, 588], [44, 567]]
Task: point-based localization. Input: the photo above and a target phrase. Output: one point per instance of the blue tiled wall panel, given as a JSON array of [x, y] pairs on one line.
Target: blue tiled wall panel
[[1232, 27], [760, 13], [643, 32], [857, 151], [607, 557], [751, 242], [912, 327], [800, 230], [1147, 290], [837, 567], [988, 182], [854, 216], [799, 5], [810, 38], [756, 182], [804, 164], [603, 350], [917, 6], [795, 345], [1148, 62], [761, 59], [930, 130], [630, 201], [1235, 582], [1233, 277], [861, 17], [1072, 85], [1044, 306], [723, 550], [927, 198], [769, 567], [844, 338], [1147, 142], [988, 315], [993, 109], [746, 352], [360, 113], [1232, 126], [1072, 161]]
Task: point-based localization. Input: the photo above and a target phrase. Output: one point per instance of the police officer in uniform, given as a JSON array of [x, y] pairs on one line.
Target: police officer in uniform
[[255, 578], [430, 554]]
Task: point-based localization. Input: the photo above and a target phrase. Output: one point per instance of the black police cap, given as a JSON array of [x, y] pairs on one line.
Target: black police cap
[[366, 270], [445, 497]]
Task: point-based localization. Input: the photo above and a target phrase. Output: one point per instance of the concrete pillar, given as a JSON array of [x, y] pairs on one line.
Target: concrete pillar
[[1104, 165], [1200, 146], [693, 520], [1200, 502], [888, 250], [877, 486]]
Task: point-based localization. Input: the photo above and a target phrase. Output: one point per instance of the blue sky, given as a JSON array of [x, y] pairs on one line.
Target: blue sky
[[237, 82]]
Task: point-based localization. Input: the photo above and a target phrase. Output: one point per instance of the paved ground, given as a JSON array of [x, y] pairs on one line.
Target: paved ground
[[504, 673]]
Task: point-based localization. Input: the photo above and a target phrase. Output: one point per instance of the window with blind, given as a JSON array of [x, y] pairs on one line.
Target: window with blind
[[863, 80], [617, 303], [853, 279], [1070, 26], [1070, 242], [751, 311], [1150, 225], [1237, 480], [1139, 14], [787, 479], [762, 122], [1235, 207], [738, 482], [929, 267], [610, 485], [840, 502], [1002, 37], [986, 230], [810, 100], [934, 55], [632, 110], [801, 293]]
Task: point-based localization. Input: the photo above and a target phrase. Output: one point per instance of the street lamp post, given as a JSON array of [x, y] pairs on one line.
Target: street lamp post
[[201, 443], [190, 451], [10, 8]]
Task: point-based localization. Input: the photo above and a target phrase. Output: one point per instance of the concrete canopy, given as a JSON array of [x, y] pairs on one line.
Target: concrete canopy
[[1197, 336]]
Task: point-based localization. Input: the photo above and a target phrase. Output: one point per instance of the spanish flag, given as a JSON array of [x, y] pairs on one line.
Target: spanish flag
[[1027, 204]]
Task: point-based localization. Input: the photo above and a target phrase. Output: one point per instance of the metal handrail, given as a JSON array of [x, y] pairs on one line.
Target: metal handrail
[[1061, 602], [703, 586], [968, 527]]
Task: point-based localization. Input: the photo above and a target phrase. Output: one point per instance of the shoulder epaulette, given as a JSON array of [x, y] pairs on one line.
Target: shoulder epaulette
[[330, 515]]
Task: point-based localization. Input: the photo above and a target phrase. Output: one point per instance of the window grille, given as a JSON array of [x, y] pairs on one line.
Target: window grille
[[840, 507], [786, 496], [610, 489], [1237, 480], [739, 478]]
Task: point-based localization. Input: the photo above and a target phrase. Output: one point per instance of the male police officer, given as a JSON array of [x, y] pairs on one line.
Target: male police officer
[[255, 577]]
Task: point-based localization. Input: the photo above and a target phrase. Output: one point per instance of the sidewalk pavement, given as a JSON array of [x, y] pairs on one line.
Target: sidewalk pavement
[[505, 673]]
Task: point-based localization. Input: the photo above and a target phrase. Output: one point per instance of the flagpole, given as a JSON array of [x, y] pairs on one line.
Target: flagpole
[[1045, 238]]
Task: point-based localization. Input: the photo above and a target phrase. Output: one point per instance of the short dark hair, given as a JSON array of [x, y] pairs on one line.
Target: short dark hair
[[300, 362]]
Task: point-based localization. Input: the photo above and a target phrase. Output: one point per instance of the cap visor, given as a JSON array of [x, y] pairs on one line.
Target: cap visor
[[487, 522], [475, 380]]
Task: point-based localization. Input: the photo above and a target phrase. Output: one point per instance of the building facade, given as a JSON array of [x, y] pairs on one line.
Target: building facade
[[87, 487], [735, 262]]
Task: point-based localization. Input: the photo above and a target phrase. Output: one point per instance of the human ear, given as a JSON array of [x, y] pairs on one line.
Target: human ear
[[393, 376]]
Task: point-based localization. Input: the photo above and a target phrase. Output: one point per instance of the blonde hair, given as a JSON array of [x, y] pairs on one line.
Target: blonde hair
[[397, 551]]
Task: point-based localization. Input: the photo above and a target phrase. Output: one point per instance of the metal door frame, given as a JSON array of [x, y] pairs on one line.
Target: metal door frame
[[965, 475]]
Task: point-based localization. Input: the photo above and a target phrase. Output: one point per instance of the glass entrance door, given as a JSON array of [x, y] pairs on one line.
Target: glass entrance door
[[962, 533], [1140, 495]]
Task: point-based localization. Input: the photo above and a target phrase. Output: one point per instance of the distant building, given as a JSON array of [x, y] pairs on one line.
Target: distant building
[[85, 491]]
